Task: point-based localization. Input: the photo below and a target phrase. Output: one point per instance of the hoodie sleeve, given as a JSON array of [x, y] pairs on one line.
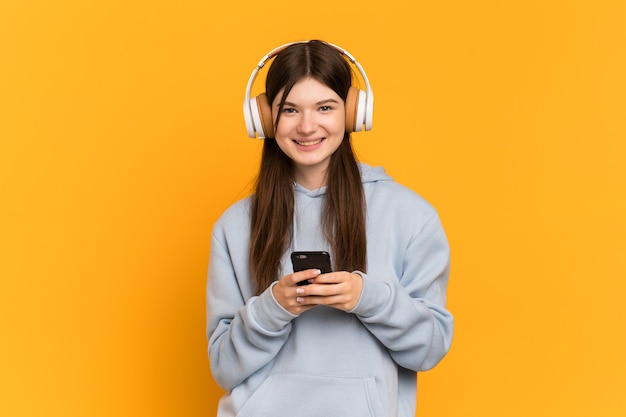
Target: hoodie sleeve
[[408, 315], [244, 334]]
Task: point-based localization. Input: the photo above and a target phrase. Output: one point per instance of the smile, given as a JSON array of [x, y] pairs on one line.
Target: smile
[[309, 143]]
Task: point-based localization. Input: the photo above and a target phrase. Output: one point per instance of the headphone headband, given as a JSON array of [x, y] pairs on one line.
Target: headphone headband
[[253, 107]]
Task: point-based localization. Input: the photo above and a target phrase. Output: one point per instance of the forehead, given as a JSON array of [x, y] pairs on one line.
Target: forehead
[[308, 90]]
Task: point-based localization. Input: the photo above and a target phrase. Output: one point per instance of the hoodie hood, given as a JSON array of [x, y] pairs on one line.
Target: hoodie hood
[[373, 174], [369, 174]]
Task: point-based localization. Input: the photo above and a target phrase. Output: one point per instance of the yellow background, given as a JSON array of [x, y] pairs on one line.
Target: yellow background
[[122, 140]]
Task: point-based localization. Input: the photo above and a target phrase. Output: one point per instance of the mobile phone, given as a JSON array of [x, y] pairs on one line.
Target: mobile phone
[[311, 260]]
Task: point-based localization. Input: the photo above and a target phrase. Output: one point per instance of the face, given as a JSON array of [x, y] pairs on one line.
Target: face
[[310, 129]]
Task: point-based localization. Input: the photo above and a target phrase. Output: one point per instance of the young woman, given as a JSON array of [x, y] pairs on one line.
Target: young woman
[[350, 342]]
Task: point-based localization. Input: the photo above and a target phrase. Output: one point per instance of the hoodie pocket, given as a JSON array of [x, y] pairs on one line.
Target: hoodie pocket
[[290, 395]]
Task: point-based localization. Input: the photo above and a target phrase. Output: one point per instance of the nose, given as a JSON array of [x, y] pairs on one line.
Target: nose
[[307, 123]]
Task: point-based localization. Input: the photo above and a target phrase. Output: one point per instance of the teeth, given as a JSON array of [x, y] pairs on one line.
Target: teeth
[[309, 143]]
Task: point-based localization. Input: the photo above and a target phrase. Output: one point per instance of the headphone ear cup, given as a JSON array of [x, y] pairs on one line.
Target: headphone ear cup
[[265, 116], [355, 110], [258, 115], [352, 101]]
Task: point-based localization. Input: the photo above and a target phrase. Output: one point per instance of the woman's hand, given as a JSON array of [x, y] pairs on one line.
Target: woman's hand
[[340, 290], [289, 294]]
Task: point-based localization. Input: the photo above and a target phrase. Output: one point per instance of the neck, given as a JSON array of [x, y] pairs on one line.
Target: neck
[[311, 178]]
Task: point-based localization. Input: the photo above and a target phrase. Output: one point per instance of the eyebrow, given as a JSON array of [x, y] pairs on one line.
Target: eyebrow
[[319, 103]]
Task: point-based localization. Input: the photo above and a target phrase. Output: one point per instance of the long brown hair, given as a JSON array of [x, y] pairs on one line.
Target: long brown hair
[[343, 216]]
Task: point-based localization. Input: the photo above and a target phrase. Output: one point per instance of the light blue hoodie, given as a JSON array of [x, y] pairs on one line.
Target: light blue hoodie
[[326, 362]]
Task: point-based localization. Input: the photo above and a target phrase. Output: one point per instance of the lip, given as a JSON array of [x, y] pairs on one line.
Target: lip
[[308, 144]]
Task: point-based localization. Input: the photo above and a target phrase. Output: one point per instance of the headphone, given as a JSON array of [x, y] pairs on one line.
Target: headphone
[[257, 111]]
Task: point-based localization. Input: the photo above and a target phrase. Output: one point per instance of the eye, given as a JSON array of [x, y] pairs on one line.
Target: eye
[[326, 108], [289, 110]]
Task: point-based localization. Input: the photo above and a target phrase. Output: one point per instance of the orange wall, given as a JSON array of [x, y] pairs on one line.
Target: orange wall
[[122, 140]]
